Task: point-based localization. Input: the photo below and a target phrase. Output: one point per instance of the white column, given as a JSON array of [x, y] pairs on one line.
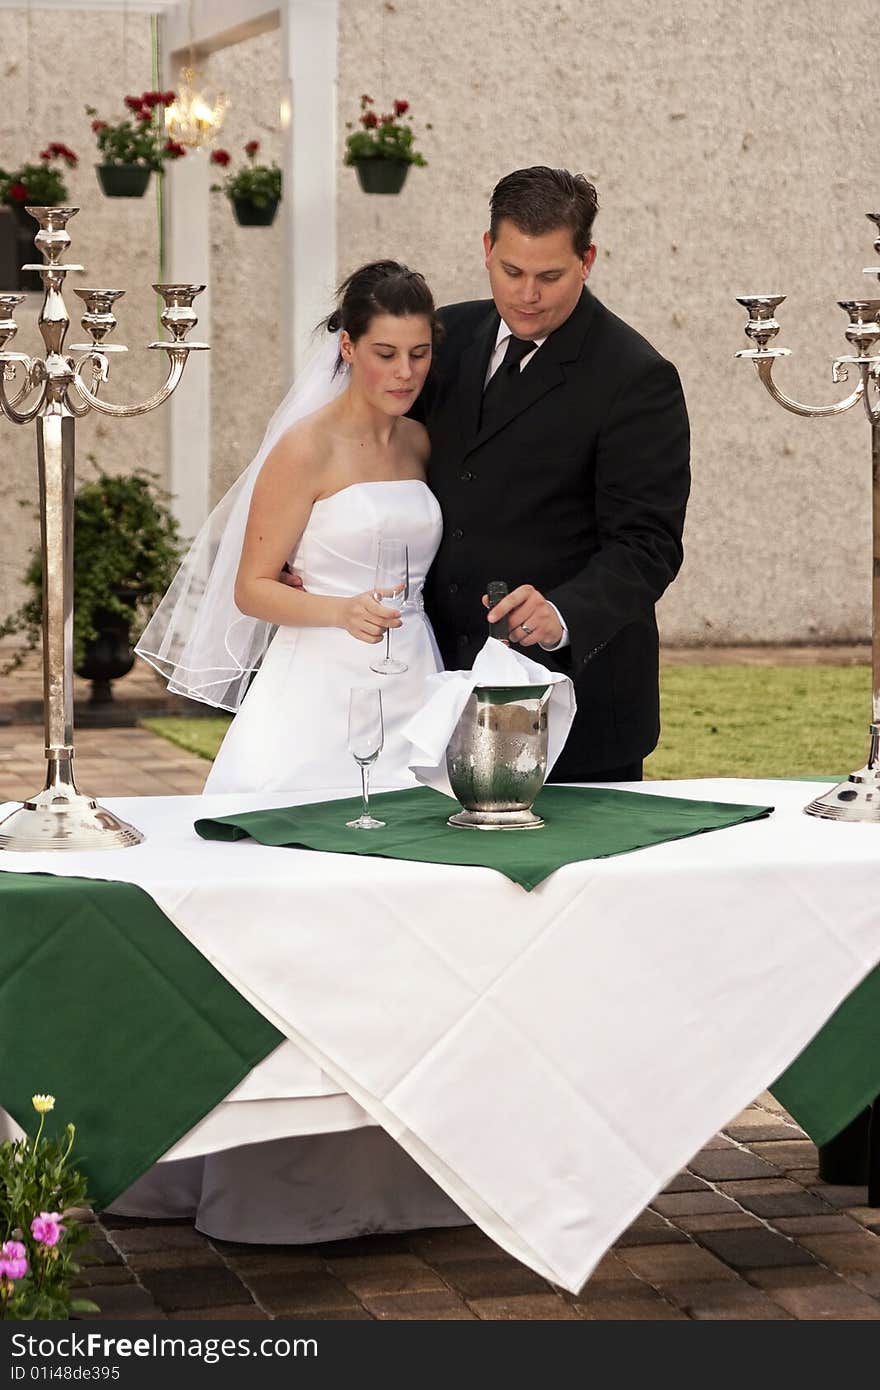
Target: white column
[[188, 260], [310, 159]]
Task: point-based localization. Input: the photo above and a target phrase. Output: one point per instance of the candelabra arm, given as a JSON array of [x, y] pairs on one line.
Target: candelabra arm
[[764, 367], [82, 407], [872, 389], [177, 354], [35, 373]]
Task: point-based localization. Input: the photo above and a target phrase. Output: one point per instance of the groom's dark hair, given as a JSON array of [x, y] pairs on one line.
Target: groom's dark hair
[[382, 287], [541, 199]]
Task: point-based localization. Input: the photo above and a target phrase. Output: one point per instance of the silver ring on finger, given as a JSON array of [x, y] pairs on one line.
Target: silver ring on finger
[[526, 629]]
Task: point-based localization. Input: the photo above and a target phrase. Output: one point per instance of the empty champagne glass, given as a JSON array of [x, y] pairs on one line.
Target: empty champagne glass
[[366, 735], [390, 588]]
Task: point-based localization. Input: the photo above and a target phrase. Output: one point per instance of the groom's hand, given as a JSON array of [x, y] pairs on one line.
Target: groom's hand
[[532, 620]]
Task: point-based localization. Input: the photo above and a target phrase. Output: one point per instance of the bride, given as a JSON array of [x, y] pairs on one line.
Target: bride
[[340, 468]]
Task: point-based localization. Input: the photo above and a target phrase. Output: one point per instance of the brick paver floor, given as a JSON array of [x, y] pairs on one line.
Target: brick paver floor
[[747, 1231]]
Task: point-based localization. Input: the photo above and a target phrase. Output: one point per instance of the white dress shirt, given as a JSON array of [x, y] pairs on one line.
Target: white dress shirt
[[502, 338]]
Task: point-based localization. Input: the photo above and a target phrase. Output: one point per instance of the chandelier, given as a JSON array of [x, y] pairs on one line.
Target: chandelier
[[196, 114]]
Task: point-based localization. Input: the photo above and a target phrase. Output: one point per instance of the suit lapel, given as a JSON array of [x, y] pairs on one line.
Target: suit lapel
[[543, 373], [473, 365]]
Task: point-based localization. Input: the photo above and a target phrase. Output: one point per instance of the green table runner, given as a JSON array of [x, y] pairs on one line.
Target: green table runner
[[838, 1073], [107, 1006], [580, 823]]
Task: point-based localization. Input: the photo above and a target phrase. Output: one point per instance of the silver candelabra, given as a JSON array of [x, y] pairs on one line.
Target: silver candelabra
[[55, 391], [858, 798]]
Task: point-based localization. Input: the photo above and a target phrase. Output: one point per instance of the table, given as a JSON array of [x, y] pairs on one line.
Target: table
[[550, 1058]]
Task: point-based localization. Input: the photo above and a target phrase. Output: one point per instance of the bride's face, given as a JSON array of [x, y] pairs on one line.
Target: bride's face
[[390, 360]]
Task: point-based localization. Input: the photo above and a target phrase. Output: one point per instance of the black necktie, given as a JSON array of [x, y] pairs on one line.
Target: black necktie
[[501, 389]]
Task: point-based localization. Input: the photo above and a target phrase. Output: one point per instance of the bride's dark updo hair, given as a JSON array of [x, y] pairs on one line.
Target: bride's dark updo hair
[[382, 287]]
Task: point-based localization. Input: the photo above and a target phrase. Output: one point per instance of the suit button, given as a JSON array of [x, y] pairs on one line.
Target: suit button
[[457, 534], [453, 588], [467, 477]]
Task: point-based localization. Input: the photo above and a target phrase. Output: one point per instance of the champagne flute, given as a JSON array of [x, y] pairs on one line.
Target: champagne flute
[[390, 588], [366, 735]]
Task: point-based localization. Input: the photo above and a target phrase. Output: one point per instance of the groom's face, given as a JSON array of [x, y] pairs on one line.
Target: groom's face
[[536, 280]]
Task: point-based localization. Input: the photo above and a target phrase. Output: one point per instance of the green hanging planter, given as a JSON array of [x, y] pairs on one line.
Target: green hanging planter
[[382, 175], [123, 180], [248, 214]]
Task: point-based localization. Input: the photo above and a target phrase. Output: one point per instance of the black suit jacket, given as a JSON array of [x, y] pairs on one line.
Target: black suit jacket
[[580, 489]]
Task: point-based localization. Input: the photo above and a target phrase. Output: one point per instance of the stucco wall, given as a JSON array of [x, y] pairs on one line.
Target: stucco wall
[[116, 239], [730, 153], [733, 153]]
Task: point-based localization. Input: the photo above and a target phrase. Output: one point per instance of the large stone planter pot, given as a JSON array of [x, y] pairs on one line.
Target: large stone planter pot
[[382, 175], [247, 214], [123, 180], [108, 657]]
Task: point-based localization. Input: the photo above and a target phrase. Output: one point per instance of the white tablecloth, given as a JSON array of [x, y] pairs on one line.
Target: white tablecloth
[[550, 1058]]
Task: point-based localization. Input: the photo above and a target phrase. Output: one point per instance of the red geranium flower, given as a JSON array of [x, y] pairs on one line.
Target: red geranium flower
[[366, 101], [133, 103], [18, 192], [62, 151], [401, 108], [369, 119], [221, 157], [174, 149], [99, 125], [146, 115], [251, 147], [167, 98]]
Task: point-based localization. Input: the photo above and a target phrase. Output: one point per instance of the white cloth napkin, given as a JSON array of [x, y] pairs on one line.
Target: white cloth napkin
[[447, 692]]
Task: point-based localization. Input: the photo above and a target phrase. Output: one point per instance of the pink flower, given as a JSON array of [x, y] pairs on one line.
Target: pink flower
[[46, 1228], [13, 1260]]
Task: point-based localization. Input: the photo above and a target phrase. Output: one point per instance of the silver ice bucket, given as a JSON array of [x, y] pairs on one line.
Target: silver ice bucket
[[497, 757]]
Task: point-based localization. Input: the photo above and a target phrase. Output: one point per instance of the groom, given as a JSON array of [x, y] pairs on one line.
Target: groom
[[559, 455]]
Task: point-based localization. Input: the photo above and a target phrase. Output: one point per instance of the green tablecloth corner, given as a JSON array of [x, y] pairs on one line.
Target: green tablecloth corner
[[580, 823], [108, 1007], [837, 1075]]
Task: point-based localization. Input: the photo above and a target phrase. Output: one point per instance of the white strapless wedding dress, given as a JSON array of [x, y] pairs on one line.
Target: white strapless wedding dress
[[290, 735], [291, 731]]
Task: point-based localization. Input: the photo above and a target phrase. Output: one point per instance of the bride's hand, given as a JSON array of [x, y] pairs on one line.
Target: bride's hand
[[366, 618]]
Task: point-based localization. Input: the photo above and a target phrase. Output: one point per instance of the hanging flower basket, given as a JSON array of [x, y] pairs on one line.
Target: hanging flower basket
[[133, 146], [248, 214], [254, 190], [382, 150], [123, 180], [382, 175]]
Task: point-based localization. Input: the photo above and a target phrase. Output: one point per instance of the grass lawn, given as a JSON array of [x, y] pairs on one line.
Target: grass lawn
[[718, 721]]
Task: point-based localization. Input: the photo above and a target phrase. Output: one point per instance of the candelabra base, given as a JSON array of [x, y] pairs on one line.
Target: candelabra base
[[62, 818], [858, 798]]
